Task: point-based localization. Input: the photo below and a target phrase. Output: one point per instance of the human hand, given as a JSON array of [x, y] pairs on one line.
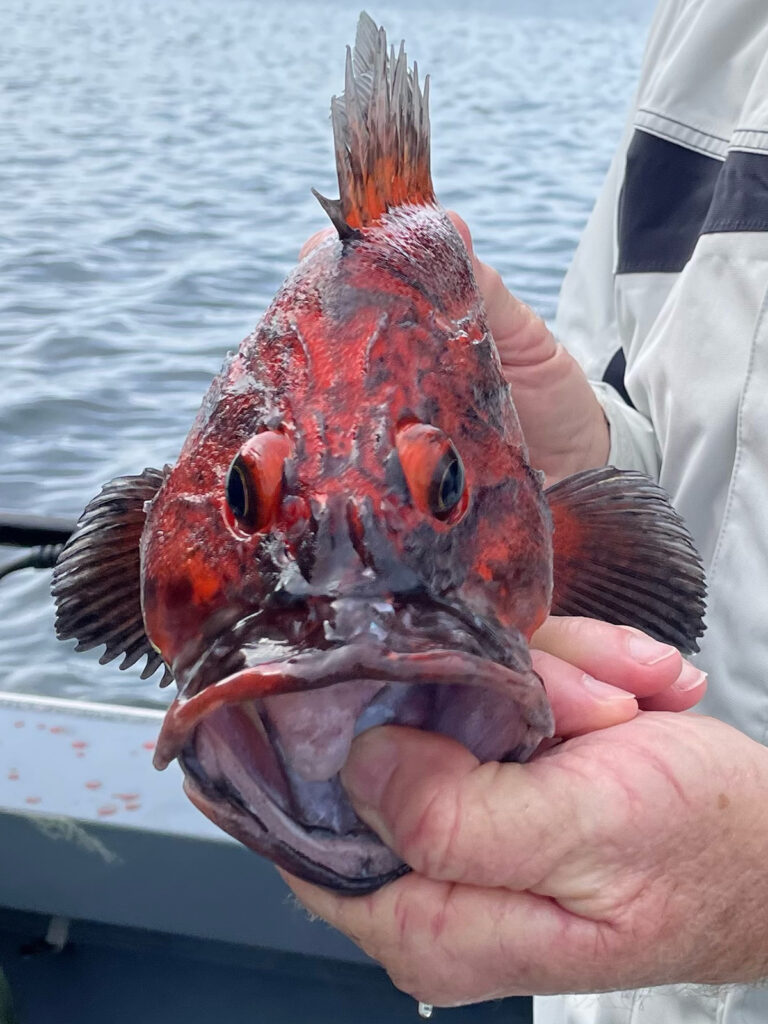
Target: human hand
[[597, 674], [562, 421], [564, 425], [538, 877], [627, 857]]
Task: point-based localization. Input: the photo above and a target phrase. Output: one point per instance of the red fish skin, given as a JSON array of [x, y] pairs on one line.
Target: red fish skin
[[365, 335], [352, 534]]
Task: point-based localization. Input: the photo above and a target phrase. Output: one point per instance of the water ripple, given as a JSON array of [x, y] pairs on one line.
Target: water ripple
[[155, 166]]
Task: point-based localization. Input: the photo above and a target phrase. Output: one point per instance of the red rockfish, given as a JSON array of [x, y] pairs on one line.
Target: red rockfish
[[352, 534]]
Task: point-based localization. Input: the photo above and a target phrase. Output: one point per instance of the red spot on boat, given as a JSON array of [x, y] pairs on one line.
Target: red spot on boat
[[106, 809], [134, 806], [18, 725], [93, 784], [34, 799], [79, 744], [13, 775], [125, 796], [57, 729], [149, 745]]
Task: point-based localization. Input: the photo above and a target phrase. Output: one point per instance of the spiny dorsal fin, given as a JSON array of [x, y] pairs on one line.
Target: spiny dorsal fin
[[381, 133]]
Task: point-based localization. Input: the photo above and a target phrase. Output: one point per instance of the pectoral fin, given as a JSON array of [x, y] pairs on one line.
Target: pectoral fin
[[622, 554], [96, 580]]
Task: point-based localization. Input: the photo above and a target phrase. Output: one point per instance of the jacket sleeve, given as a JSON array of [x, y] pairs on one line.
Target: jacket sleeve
[[587, 324]]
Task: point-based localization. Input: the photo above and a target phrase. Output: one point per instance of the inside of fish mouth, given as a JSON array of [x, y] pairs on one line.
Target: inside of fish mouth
[[289, 749]]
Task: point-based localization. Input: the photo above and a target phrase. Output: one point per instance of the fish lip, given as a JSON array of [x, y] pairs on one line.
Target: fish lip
[[239, 820], [320, 668]]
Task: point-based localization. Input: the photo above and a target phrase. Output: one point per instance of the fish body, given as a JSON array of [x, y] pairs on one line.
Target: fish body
[[352, 533]]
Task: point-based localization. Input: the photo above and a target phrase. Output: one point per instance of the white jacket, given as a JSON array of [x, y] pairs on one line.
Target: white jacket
[[673, 270]]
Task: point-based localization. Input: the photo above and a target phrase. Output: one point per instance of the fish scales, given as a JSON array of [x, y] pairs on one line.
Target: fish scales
[[353, 534]]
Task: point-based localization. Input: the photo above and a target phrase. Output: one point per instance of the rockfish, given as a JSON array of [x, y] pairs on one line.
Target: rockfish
[[352, 534]]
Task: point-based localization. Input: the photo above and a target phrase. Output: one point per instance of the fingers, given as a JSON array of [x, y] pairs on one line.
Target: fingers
[[580, 702], [453, 819], [447, 945], [317, 239], [622, 656], [464, 232], [686, 691], [522, 337]]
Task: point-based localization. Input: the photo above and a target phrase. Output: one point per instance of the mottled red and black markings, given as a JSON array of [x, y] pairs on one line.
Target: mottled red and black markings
[[361, 336]]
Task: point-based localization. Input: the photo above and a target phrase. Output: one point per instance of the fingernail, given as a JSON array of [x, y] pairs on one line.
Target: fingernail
[[604, 692], [689, 678], [645, 649], [369, 768]]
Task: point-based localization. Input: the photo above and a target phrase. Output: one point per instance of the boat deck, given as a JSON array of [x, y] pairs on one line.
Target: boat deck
[[162, 917]]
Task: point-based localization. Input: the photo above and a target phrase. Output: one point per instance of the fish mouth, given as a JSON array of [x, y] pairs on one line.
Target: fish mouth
[[262, 747]]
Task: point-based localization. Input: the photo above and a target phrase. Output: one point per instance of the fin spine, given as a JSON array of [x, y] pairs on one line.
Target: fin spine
[[381, 134]]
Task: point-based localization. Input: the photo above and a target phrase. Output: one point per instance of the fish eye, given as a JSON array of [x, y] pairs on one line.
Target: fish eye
[[239, 498], [433, 471], [449, 484], [254, 481]]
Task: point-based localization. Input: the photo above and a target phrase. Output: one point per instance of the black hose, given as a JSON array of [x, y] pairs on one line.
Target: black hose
[[32, 531], [42, 557], [42, 536]]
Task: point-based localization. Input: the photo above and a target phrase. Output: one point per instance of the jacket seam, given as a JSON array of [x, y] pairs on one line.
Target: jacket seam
[[739, 456], [682, 124], [723, 226], [669, 137]]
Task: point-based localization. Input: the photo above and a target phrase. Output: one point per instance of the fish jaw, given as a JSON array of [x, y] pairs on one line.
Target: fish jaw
[[262, 748]]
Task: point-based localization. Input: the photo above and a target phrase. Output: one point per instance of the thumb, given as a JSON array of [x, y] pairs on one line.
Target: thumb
[[463, 230], [450, 817]]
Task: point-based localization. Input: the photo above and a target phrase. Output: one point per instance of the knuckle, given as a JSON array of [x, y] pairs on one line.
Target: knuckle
[[433, 845], [578, 629]]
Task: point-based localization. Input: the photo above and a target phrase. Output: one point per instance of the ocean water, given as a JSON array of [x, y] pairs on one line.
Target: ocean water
[[156, 160]]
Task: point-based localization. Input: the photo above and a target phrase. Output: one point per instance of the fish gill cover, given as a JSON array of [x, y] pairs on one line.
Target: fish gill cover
[[352, 534]]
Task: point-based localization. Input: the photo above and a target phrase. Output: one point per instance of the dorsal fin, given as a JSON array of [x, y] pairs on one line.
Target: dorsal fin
[[381, 133]]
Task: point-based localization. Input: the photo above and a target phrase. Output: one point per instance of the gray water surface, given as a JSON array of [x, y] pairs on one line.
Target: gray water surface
[[156, 160]]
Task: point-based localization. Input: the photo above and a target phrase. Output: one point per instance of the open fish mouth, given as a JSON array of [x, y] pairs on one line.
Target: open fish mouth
[[262, 748]]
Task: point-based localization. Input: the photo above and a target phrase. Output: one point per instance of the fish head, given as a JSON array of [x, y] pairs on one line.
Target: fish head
[[352, 536]]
